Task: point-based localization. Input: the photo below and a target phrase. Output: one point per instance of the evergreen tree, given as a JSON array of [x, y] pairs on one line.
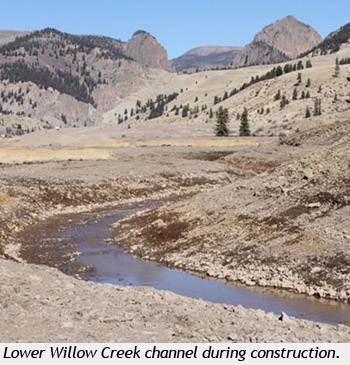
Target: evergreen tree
[[317, 107], [287, 68], [244, 129], [295, 94], [299, 77], [211, 114], [278, 95], [307, 113], [185, 111], [221, 129], [337, 68], [303, 95], [284, 102], [308, 83], [279, 71], [307, 96]]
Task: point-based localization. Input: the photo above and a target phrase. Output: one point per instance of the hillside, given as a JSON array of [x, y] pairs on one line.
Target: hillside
[[63, 79], [276, 104], [333, 42], [53, 79]]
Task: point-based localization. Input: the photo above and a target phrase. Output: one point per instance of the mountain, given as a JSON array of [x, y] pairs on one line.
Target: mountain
[[62, 79], [333, 42], [145, 49], [207, 57], [259, 53], [285, 39]]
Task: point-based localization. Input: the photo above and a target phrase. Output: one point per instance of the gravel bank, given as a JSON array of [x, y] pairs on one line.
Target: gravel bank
[[40, 304]]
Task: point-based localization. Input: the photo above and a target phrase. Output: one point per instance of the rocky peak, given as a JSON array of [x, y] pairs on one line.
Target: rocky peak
[[145, 48], [290, 36], [285, 39]]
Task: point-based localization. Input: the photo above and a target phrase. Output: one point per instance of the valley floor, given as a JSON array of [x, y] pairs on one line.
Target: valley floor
[[256, 211]]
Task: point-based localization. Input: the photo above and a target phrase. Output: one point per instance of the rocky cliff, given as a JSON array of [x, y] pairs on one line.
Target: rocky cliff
[[145, 49], [285, 39]]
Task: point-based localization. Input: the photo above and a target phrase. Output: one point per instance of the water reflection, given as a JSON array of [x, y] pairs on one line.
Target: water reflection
[[112, 265]]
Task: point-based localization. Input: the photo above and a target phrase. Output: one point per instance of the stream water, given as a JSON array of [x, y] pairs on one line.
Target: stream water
[[112, 265]]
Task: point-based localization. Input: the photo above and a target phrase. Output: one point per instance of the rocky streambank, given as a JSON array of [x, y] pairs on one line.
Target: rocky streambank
[[40, 304], [287, 226], [270, 215]]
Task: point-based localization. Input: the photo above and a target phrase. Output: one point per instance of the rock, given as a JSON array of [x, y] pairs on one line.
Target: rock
[[316, 270], [144, 48], [284, 317], [307, 174], [314, 205], [233, 337], [278, 42]]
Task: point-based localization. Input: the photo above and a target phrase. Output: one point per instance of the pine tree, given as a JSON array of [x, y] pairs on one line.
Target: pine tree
[[308, 83], [284, 102], [337, 68], [295, 94], [185, 111], [317, 107], [307, 96], [278, 95], [300, 65], [336, 97], [211, 114], [287, 68], [303, 95], [279, 71], [299, 77], [244, 129], [221, 129], [307, 113]]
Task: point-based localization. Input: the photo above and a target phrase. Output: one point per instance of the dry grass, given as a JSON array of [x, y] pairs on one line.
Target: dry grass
[[202, 142], [19, 156]]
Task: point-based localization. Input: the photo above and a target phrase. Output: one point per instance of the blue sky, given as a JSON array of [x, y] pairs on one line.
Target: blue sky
[[179, 25]]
